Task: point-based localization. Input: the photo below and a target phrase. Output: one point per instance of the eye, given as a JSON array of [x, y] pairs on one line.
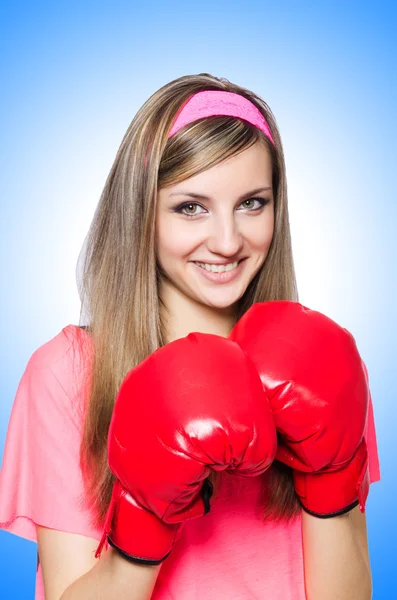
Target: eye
[[262, 202], [187, 209]]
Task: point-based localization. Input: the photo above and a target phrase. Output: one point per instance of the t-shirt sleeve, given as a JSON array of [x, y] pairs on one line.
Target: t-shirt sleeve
[[41, 481], [370, 438]]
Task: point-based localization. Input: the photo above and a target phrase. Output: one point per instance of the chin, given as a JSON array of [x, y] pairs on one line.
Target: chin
[[221, 303]]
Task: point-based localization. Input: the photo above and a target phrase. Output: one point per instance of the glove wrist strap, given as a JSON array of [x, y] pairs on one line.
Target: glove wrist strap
[[328, 494], [137, 534]]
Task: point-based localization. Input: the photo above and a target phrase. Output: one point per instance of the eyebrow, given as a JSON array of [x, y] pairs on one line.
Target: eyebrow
[[203, 197]]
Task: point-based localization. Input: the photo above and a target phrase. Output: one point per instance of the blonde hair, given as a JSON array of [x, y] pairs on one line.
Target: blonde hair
[[120, 275]]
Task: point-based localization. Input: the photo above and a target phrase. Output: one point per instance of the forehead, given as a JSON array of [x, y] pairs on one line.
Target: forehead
[[248, 169]]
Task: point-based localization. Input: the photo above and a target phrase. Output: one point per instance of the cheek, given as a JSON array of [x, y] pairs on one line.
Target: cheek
[[260, 233], [175, 239]]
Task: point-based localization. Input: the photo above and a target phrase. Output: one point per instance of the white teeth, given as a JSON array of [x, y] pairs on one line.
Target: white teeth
[[218, 268]]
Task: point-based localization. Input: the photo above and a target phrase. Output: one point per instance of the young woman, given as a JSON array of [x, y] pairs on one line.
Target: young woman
[[191, 236]]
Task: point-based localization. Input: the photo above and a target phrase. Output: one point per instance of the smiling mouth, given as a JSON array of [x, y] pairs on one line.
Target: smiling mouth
[[212, 268]]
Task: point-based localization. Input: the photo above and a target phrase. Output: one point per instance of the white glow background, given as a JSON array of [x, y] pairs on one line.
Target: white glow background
[[73, 77]]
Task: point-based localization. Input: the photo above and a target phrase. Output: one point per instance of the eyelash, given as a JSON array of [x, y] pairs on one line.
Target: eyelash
[[179, 209]]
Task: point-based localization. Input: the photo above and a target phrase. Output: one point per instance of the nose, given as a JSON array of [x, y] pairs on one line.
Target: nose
[[224, 237]]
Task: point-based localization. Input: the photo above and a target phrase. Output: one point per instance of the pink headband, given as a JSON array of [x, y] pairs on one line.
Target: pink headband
[[210, 103]]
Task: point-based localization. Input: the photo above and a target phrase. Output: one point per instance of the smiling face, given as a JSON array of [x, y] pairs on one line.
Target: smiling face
[[222, 216]]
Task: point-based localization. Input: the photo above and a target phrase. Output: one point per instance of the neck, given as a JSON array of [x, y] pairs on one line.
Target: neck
[[183, 315]]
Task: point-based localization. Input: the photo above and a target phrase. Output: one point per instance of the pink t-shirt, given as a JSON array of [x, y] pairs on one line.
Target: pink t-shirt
[[229, 553]]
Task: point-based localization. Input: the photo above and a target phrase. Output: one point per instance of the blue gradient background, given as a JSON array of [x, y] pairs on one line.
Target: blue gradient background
[[75, 73]]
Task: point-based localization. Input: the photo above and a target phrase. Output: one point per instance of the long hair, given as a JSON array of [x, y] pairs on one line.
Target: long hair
[[120, 276]]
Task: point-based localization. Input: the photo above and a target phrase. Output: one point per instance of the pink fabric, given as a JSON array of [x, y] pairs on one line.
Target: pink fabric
[[230, 553], [210, 103]]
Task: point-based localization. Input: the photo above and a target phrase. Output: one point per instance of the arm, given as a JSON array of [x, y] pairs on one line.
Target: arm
[[336, 559], [70, 571], [161, 453], [318, 388]]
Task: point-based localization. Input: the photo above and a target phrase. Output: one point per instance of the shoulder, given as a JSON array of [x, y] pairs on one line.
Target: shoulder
[[41, 481], [68, 352], [71, 345], [56, 374]]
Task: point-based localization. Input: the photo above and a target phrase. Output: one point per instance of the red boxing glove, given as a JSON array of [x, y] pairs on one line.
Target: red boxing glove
[[317, 386], [194, 405]]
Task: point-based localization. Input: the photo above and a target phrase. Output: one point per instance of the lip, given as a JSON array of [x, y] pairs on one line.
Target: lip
[[218, 264], [224, 277]]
